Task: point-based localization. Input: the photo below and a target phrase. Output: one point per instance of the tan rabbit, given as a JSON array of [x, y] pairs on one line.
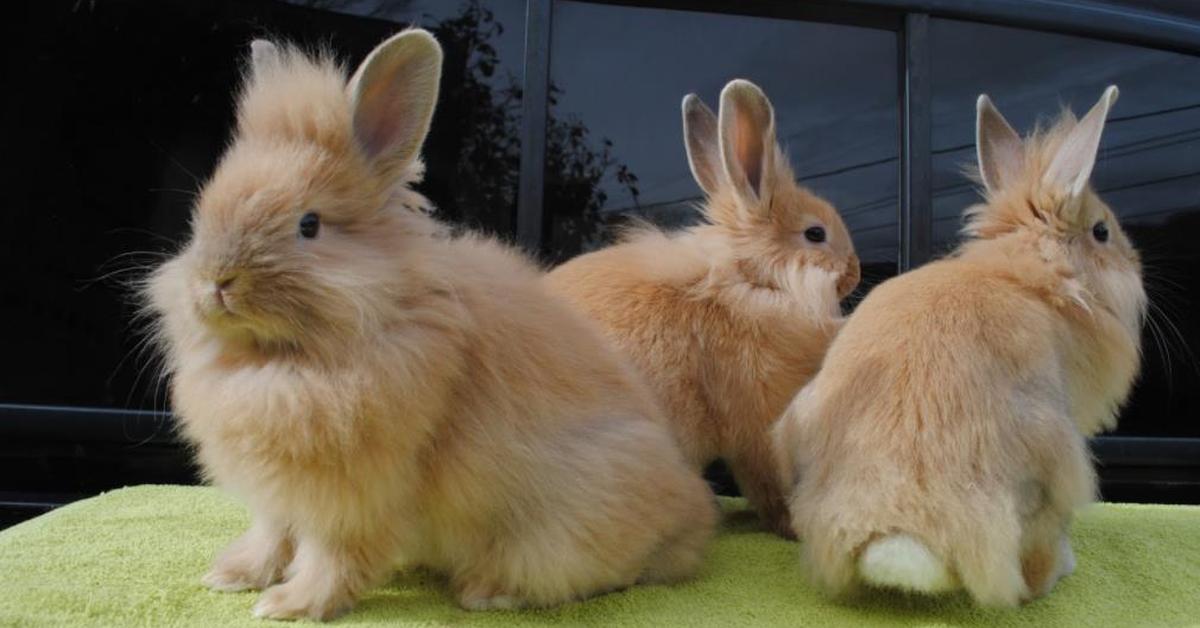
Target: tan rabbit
[[380, 393], [730, 318], [942, 444]]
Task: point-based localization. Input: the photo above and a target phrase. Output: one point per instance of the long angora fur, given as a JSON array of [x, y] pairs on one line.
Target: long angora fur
[[383, 394], [942, 445], [727, 319]]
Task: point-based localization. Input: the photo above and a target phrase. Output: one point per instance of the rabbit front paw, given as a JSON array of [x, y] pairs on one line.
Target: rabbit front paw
[[480, 596], [253, 562], [230, 580], [292, 600]]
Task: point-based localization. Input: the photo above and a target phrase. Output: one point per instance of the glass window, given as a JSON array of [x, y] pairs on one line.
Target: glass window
[[124, 108], [1148, 170], [615, 142]]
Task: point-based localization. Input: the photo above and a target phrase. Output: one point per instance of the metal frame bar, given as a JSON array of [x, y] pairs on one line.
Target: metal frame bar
[[535, 99], [1082, 18], [823, 11], [143, 427], [1141, 451], [1070, 17], [916, 136], [34, 423]]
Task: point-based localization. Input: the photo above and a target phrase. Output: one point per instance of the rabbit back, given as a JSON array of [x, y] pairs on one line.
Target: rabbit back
[[946, 423]]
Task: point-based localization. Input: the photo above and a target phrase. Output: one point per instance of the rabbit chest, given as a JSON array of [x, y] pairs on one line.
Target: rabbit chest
[[303, 438]]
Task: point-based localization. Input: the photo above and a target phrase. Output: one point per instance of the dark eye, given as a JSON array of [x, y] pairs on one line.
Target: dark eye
[[1100, 231], [816, 235], [310, 224]]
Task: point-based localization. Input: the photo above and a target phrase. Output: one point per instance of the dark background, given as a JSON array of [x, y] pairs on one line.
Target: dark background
[[117, 110]]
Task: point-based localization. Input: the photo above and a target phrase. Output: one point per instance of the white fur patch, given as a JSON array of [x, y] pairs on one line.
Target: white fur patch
[[814, 288], [902, 562], [804, 290], [1066, 557], [1123, 292]]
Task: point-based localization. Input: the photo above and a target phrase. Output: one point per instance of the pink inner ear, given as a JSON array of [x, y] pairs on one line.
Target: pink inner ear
[[380, 118], [749, 151]]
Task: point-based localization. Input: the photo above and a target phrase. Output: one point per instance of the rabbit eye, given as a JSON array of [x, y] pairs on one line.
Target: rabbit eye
[[816, 235], [1100, 231], [310, 224]]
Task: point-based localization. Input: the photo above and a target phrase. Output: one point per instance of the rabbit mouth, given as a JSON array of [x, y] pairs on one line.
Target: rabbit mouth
[[220, 310], [237, 328], [219, 318], [232, 317]]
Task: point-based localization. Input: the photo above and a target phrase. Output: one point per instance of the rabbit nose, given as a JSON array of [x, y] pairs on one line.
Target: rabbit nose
[[221, 286]]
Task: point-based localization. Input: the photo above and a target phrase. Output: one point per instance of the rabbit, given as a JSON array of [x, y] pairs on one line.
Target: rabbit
[[942, 444], [382, 393], [729, 318]]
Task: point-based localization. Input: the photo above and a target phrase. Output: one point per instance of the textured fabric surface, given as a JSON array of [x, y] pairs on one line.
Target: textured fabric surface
[[134, 557]]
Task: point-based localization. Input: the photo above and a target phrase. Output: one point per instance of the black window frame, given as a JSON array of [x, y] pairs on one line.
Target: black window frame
[[1131, 468]]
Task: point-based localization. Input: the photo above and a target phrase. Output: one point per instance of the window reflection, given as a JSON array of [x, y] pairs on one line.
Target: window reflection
[[616, 145], [1148, 170], [473, 152], [124, 108]]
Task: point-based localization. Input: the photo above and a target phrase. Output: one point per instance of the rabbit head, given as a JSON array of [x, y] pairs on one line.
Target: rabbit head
[[1038, 189], [777, 229], [296, 235]]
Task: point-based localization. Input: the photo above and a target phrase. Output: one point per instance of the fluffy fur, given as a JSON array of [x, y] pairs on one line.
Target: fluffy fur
[[728, 319], [902, 562], [952, 408], [384, 394]]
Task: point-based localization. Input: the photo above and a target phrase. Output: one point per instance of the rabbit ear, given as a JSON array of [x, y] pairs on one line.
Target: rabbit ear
[[264, 55], [747, 124], [1076, 156], [703, 146], [1001, 154], [393, 94]]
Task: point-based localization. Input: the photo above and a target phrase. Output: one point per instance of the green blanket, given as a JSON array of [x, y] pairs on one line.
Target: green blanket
[[134, 557]]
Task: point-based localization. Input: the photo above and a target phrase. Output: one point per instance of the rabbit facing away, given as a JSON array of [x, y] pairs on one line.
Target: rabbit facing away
[[942, 445], [382, 394], [727, 319]]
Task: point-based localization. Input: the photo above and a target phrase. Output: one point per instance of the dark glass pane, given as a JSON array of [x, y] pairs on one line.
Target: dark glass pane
[[615, 142], [118, 110], [1148, 171], [473, 152]]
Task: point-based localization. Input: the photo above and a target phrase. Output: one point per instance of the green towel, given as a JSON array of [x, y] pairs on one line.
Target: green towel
[[134, 557]]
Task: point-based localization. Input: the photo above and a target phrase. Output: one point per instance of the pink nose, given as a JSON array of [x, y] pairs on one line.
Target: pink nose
[[220, 287]]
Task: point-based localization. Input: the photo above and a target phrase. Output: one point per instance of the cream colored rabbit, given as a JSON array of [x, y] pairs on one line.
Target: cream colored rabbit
[[380, 393], [730, 318], [942, 443]]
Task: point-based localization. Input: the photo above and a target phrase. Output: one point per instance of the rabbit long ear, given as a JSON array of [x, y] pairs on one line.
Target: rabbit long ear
[[999, 148], [703, 146], [1073, 162], [747, 124], [264, 56], [393, 94]]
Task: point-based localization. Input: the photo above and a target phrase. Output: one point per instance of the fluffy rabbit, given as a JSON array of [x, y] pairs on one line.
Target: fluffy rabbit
[[727, 319], [942, 444], [382, 394]]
